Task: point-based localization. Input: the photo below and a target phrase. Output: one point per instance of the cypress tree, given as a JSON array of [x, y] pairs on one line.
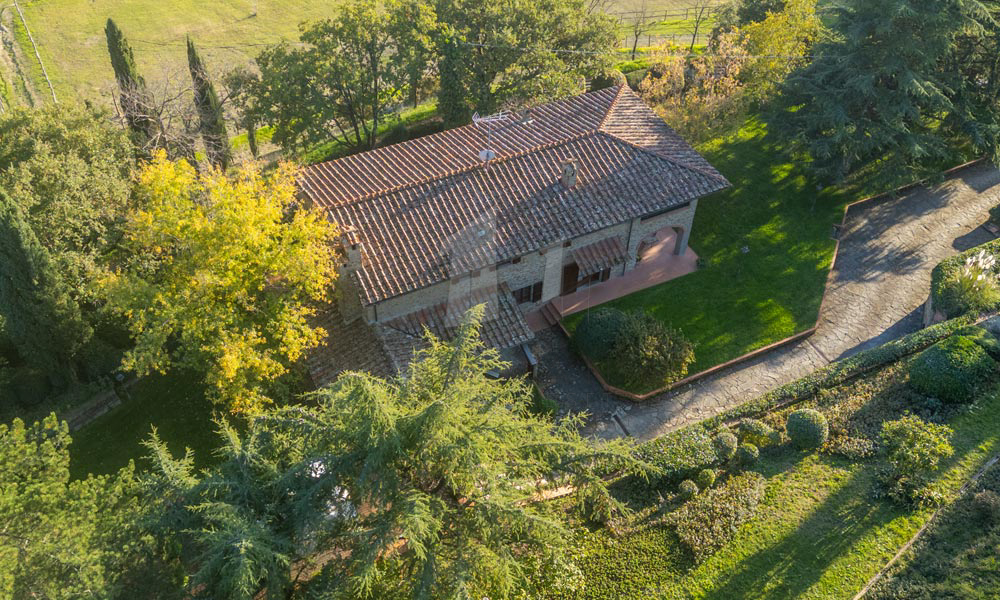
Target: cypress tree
[[213, 125], [452, 101], [39, 314], [135, 100]]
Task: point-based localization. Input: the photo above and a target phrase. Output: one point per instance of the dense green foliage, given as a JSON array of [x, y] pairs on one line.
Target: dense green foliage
[[687, 489], [914, 449], [596, 333], [518, 52], [59, 539], [206, 100], [680, 455], [807, 428], [755, 432], [40, 316], [951, 369], [725, 443], [951, 292], [634, 350], [872, 94], [705, 478], [707, 522], [343, 78], [747, 455]]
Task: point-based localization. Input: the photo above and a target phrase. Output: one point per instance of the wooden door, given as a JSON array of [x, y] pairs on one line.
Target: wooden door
[[570, 277]]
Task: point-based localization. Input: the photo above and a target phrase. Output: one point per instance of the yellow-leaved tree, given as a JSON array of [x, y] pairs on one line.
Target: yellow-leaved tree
[[220, 273]]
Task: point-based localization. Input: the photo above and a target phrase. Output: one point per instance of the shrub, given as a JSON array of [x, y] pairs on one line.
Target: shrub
[[983, 338], [705, 478], [609, 79], [967, 282], [708, 521], [950, 369], [914, 449], [647, 353], [747, 454], [755, 432], [597, 331], [680, 454], [687, 489], [725, 445], [807, 428]]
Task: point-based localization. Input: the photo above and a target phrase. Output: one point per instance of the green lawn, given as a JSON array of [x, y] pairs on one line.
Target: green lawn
[[819, 533], [70, 34], [740, 301], [175, 404]]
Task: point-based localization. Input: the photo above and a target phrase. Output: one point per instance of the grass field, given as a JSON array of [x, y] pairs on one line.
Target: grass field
[[70, 34]]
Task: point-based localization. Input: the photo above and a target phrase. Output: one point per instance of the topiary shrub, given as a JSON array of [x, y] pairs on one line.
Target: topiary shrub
[[725, 445], [984, 339], [705, 478], [687, 489], [597, 331], [755, 432], [807, 428], [747, 455], [951, 369]]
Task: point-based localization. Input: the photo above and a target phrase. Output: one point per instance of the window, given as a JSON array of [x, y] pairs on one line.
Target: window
[[529, 293]]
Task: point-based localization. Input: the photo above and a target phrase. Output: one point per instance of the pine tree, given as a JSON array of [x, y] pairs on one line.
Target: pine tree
[[213, 124], [877, 90], [39, 314], [135, 99]]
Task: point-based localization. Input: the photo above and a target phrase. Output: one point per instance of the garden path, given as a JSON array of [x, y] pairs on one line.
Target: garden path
[[875, 293]]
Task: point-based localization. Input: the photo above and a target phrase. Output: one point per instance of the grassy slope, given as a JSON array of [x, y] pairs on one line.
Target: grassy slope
[[819, 535], [175, 404], [742, 301], [71, 36]]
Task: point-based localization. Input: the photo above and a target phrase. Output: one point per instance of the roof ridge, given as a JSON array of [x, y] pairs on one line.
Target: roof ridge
[[470, 168], [612, 106], [717, 176]]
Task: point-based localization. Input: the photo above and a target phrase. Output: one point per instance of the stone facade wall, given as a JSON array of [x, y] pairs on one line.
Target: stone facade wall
[[545, 265]]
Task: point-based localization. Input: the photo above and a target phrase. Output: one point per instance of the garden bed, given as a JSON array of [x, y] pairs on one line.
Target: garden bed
[[819, 532]]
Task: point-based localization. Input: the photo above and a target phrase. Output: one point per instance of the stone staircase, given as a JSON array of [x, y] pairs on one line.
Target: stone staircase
[[550, 312]]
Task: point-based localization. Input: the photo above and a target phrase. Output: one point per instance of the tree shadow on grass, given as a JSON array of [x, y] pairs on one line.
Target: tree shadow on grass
[[794, 564]]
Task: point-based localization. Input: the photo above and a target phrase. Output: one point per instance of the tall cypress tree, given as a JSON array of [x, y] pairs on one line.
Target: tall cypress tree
[[135, 100], [39, 314], [213, 125]]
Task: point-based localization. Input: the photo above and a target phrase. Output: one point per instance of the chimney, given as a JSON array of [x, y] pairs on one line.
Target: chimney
[[569, 169], [353, 247]]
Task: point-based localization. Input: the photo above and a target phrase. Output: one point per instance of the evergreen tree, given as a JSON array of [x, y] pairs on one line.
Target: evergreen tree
[[424, 486], [878, 91], [213, 124], [40, 317], [452, 102], [135, 99]]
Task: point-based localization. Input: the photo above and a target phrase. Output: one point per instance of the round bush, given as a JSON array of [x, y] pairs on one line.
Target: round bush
[[687, 489], [648, 354], [951, 369], [807, 428], [755, 432], [747, 454], [597, 331], [725, 445], [705, 478]]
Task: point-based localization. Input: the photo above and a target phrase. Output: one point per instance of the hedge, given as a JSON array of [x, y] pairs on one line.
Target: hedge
[[951, 369], [830, 376], [949, 268], [680, 454]]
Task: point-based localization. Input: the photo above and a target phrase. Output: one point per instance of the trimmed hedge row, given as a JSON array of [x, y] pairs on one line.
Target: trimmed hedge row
[[678, 452], [947, 270]]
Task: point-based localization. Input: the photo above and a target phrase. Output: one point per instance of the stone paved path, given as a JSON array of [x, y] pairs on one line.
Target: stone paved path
[[876, 292]]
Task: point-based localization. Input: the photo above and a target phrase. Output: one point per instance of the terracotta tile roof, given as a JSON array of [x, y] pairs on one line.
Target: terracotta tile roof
[[348, 347], [602, 254], [429, 209], [503, 324]]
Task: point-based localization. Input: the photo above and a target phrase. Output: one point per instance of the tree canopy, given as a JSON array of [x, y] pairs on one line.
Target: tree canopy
[[422, 486], [221, 273], [886, 88]]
